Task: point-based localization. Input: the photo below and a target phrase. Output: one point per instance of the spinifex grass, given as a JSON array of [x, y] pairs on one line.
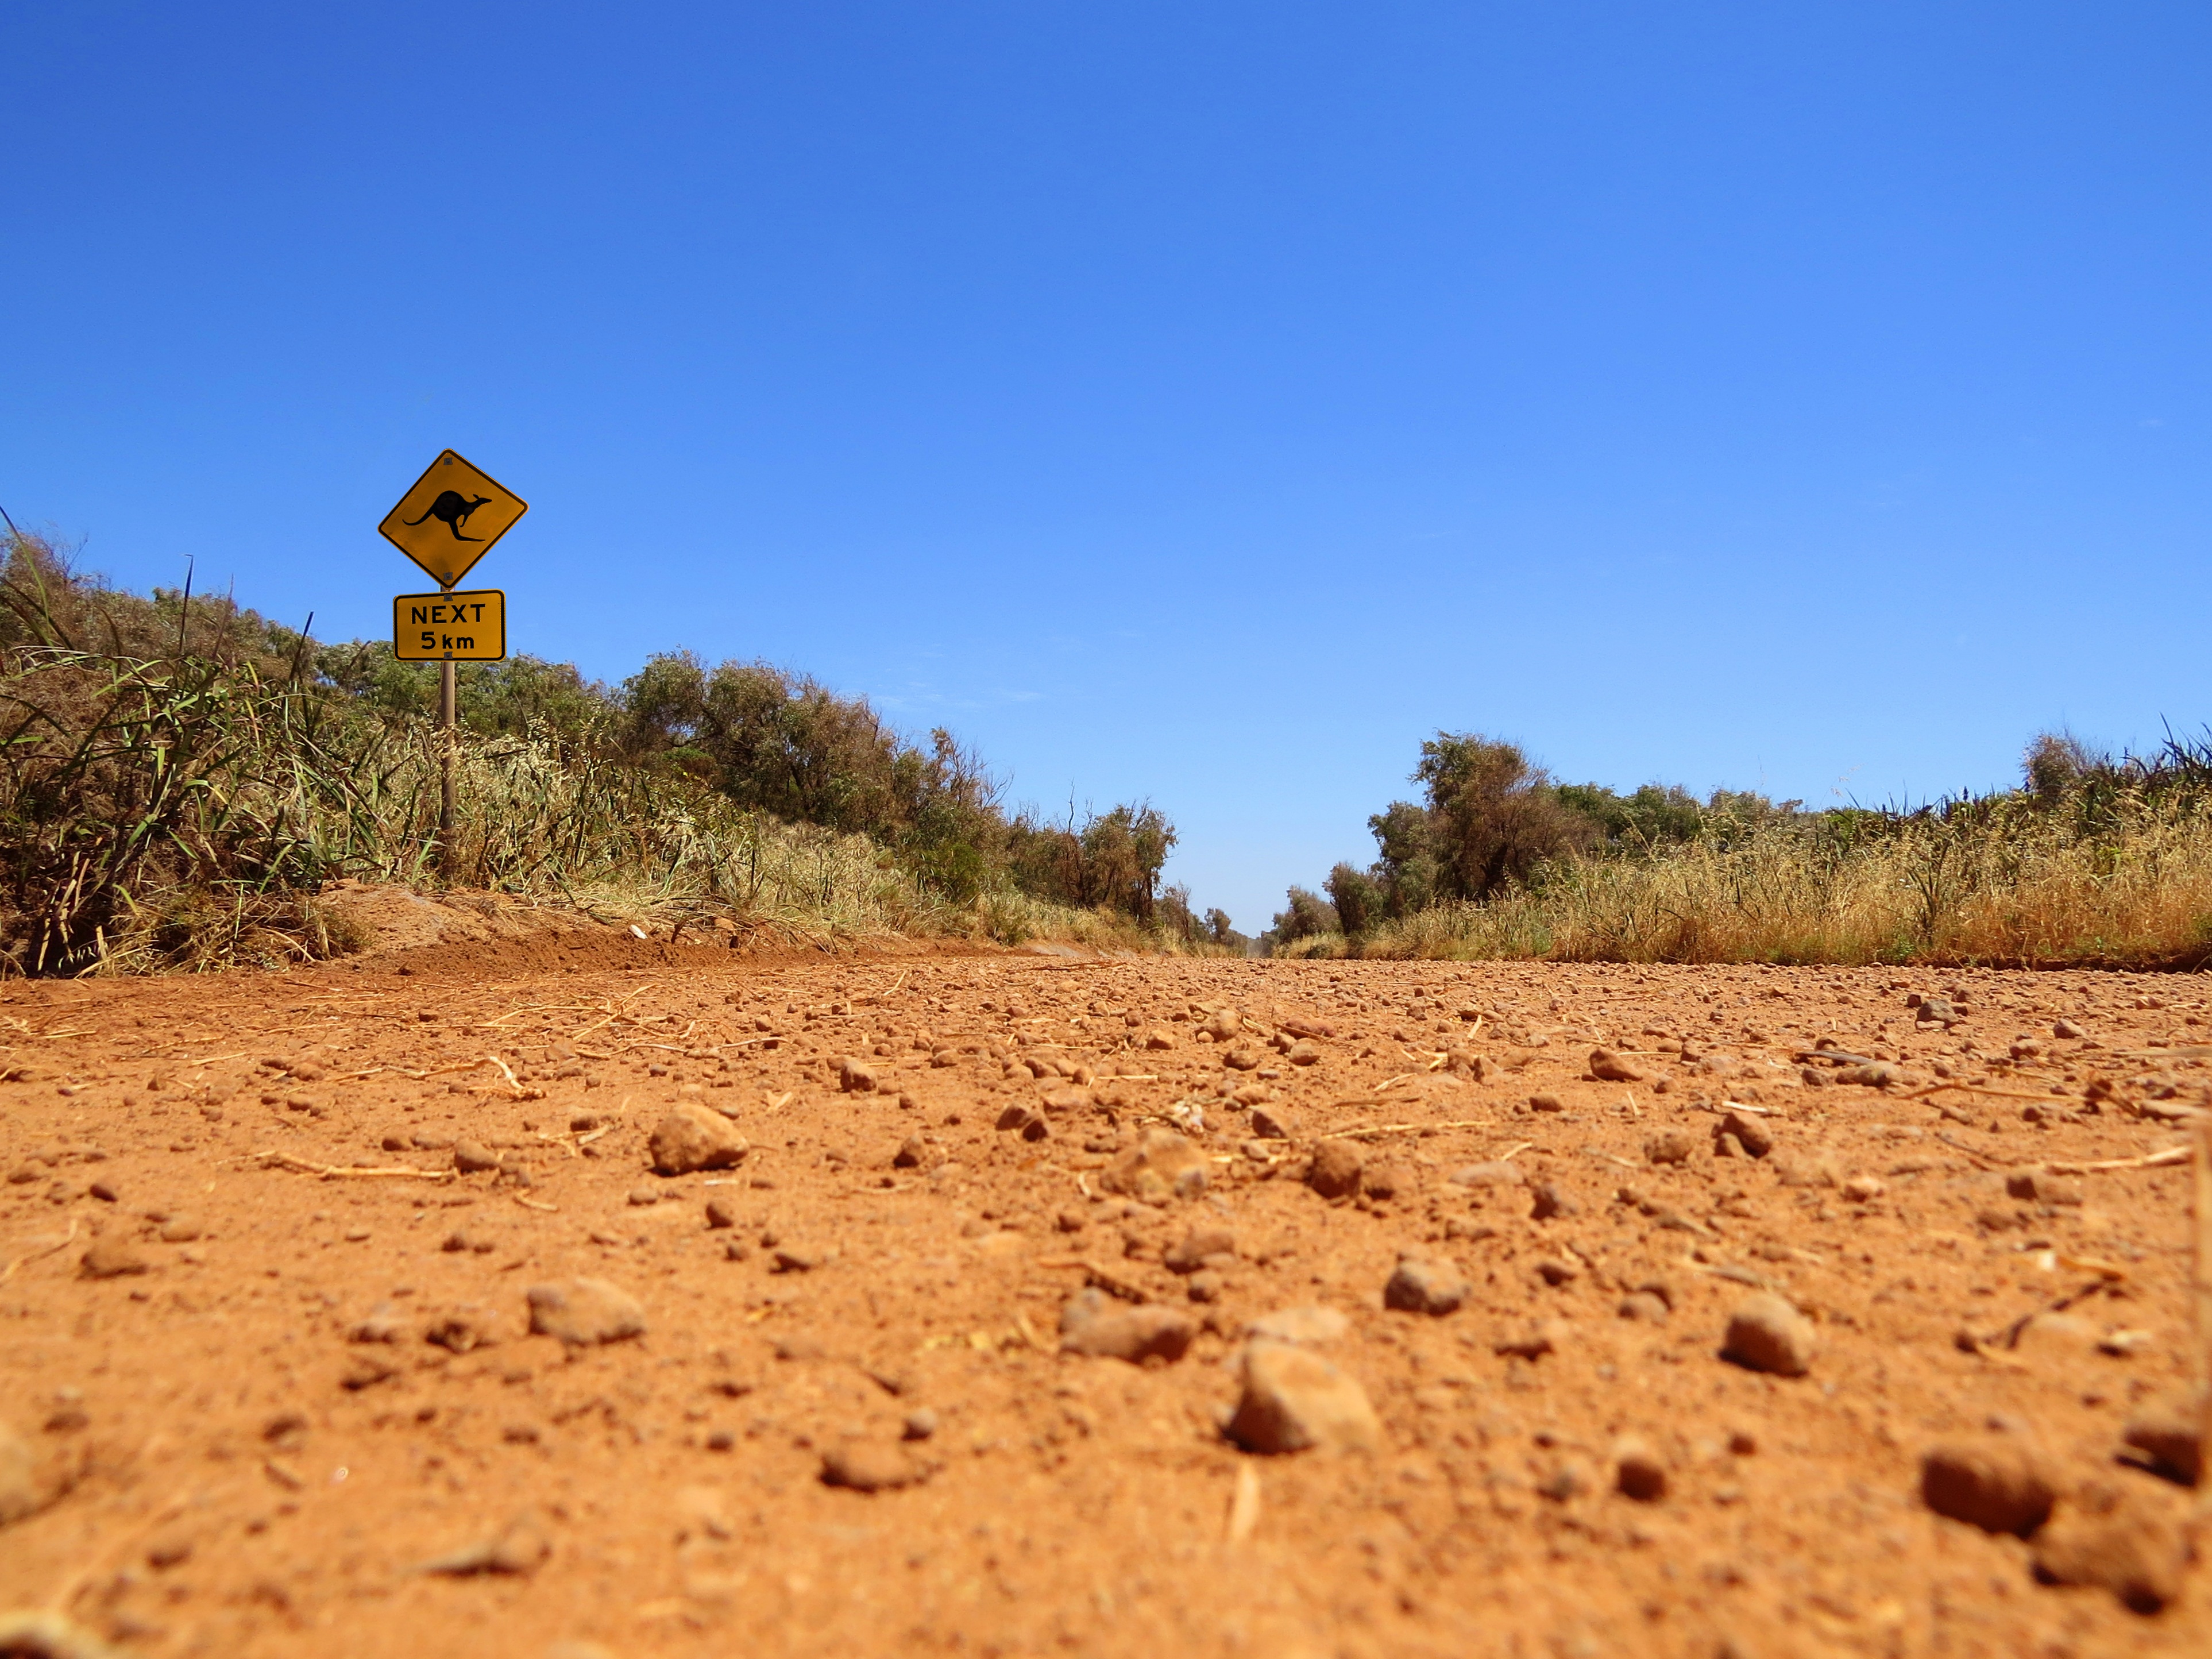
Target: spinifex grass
[[184, 813], [2114, 875]]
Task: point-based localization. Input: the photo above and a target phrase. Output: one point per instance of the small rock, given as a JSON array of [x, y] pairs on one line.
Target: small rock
[[1426, 1287], [19, 1483], [1608, 1068], [691, 1138], [517, 1548], [1274, 1123], [1478, 1066], [1197, 1247], [1303, 1053], [1749, 1129], [856, 1077], [1067, 1103], [1026, 1120], [1160, 1166], [721, 1214], [1999, 1486], [170, 1546], [2116, 1542], [2063, 1335], [584, 1312], [1296, 1324], [180, 1229], [911, 1152], [1386, 1182], [1089, 1326], [1566, 1480], [364, 1370], [1334, 1171], [1643, 1306], [1638, 1471], [1293, 1401], [384, 1324], [2066, 1030], [1542, 1337], [2172, 1439], [639, 1197], [1159, 1037], [1488, 1175], [920, 1424], [113, 1256], [461, 1329], [1546, 1104], [1555, 1271], [1245, 1058], [1552, 1201], [798, 1259], [1870, 1074], [1670, 1146], [869, 1465], [1207, 1285], [2041, 1186], [1766, 1333], [471, 1158], [1864, 1189]]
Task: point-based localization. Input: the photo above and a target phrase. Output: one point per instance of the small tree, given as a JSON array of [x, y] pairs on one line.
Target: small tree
[[1406, 871], [1308, 915], [1357, 899], [1493, 817]]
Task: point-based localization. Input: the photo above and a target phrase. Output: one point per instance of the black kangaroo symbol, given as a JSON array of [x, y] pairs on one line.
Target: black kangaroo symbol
[[453, 509]]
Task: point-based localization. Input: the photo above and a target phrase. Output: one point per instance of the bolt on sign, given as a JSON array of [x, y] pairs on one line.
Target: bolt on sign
[[451, 517], [468, 627]]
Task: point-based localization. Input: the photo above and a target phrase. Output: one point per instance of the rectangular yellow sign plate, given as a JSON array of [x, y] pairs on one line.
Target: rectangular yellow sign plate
[[466, 627], [451, 517]]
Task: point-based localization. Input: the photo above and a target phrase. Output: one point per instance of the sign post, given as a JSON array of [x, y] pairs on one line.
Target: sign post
[[446, 522]]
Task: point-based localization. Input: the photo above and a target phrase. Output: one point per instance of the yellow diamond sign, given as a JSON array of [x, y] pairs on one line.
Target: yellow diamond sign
[[451, 517]]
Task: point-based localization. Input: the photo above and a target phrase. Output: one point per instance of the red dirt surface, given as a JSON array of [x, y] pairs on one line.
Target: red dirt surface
[[255, 1408]]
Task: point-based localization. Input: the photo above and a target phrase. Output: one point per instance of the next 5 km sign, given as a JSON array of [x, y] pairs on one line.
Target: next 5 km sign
[[465, 627]]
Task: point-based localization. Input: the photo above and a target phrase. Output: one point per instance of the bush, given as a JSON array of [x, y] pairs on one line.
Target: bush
[[177, 777]]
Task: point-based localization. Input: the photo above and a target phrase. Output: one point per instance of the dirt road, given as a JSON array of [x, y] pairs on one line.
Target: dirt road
[[268, 1367]]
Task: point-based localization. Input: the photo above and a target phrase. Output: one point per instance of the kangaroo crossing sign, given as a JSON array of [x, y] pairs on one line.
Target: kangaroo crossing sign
[[451, 517], [462, 626]]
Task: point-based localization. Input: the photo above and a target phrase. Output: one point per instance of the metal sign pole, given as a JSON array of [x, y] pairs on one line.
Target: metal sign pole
[[447, 698]]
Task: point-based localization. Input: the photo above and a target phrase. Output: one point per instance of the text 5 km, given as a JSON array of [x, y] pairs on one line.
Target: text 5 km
[[465, 627]]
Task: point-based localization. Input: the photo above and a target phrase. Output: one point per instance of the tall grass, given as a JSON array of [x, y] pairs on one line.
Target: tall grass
[[2116, 870], [185, 812]]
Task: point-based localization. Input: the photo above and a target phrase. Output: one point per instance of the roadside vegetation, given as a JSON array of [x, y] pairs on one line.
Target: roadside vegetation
[[181, 777], [2093, 861]]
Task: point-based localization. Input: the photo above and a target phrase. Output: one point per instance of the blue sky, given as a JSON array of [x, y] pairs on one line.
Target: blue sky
[[1198, 402]]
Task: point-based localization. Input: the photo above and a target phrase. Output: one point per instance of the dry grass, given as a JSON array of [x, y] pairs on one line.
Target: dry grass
[[185, 815], [2123, 879]]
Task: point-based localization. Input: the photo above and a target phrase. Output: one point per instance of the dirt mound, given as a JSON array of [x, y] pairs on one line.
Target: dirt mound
[[476, 935]]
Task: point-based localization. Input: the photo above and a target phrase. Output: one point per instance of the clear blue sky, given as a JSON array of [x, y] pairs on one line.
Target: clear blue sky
[[1199, 401]]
